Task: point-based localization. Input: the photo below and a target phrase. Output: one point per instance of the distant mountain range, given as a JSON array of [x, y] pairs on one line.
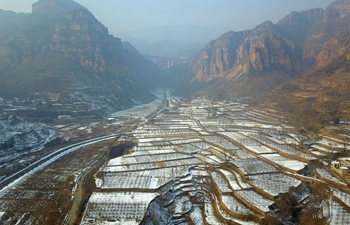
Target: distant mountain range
[[167, 41], [8, 18], [61, 48]]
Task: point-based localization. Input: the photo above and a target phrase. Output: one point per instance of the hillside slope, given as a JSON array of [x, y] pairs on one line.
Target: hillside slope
[[318, 99]]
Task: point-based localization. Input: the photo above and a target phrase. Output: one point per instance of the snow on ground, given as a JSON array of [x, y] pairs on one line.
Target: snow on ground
[[253, 166], [274, 183], [260, 149], [285, 162], [344, 197], [317, 147], [231, 179], [327, 175], [221, 182], [256, 199], [196, 216], [240, 182], [131, 159], [118, 207], [317, 153], [330, 143], [49, 161], [98, 182], [18, 137], [147, 179], [235, 205], [209, 214], [339, 215]]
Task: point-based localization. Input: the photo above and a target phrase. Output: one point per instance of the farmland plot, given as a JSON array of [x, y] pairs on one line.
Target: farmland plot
[[339, 215], [342, 196], [255, 200], [120, 207], [328, 176], [274, 183], [220, 141], [234, 205], [221, 182], [131, 159], [188, 148], [231, 179], [291, 164], [253, 166]]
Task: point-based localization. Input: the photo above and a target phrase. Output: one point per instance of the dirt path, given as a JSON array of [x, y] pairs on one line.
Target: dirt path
[[81, 194]]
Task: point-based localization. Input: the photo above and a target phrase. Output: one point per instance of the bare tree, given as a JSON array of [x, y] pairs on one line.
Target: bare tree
[[228, 156], [313, 211]]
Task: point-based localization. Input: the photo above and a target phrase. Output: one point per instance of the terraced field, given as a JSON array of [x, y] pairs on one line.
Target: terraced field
[[198, 163]]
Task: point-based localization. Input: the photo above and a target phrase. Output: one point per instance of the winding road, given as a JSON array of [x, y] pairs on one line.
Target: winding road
[[17, 178]]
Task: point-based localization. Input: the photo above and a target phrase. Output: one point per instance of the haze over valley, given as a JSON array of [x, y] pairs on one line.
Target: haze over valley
[[186, 112]]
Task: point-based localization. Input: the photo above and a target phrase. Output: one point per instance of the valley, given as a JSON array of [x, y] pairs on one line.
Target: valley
[[252, 127], [200, 162]]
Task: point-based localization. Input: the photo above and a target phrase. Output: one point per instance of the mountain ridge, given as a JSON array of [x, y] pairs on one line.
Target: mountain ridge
[[287, 50]]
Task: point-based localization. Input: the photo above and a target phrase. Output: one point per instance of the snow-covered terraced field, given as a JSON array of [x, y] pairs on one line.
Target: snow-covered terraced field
[[327, 175], [274, 183], [231, 179], [256, 199], [234, 205], [221, 182], [131, 159], [339, 215], [253, 166], [344, 197], [291, 164], [148, 179], [153, 165], [121, 207]]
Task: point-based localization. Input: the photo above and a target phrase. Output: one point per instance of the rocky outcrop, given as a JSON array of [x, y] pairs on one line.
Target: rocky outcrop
[[332, 49], [235, 53], [54, 6], [271, 53]]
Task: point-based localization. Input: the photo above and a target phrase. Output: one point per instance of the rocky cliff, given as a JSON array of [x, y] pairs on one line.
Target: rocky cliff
[[54, 6], [311, 29], [299, 43]]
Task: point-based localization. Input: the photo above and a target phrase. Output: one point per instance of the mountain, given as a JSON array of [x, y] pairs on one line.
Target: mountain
[[8, 18], [320, 98], [61, 48], [251, 63], [167, 41]]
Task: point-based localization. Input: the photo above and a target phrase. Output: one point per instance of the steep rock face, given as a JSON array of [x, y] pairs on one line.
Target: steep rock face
[[270, 54], [312, 28], [80, 34], [333, 48], [235, 53], [54, 6], [217, 57], [341, 7]]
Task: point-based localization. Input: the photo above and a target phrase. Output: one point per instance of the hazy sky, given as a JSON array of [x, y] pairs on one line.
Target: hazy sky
[[126, 15]]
